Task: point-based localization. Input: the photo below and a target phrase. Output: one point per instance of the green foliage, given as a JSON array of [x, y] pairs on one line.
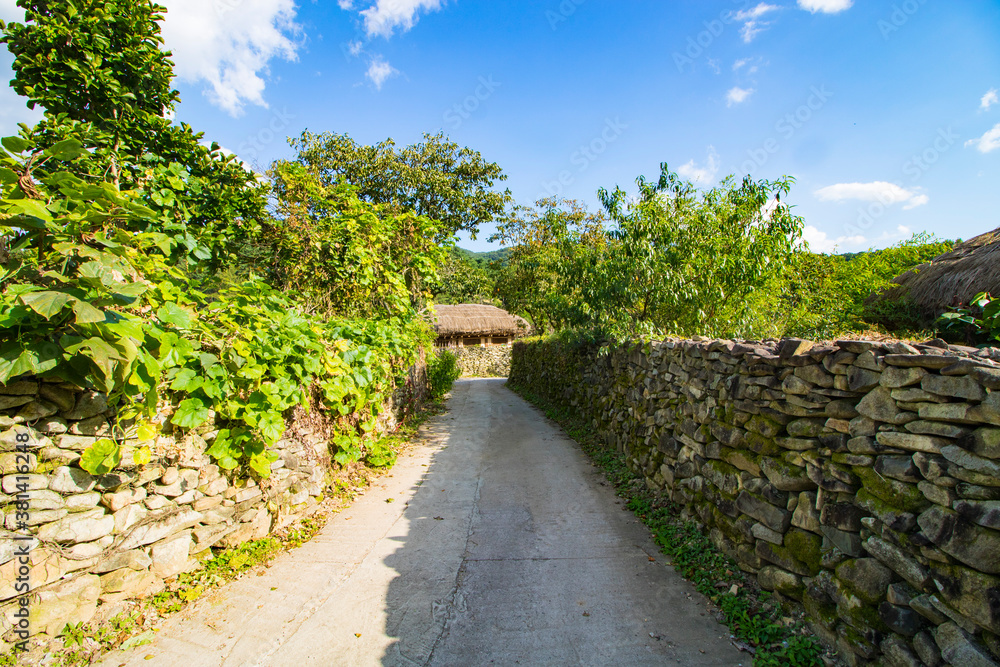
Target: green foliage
[[343, 255], [442, 371], [552, 250], [435, 178], [979, 322], [100, 73], [463, 279], [822, 296]]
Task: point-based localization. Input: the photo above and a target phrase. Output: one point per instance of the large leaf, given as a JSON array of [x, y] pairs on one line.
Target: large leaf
[[86, 313], [171, 313], [46, 303], [191, 413], [15, 144], [67, 149], [101, 457]]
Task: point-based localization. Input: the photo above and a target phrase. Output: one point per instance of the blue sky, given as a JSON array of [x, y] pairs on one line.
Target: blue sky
[[886, 113]]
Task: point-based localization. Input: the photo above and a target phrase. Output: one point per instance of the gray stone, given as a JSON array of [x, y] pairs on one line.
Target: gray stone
[[805, 428], [949, 412], [973, 545], [8, 402], [847, 542], [118, 500], [171, 556], [13, 462], [927, 649], [170, 476], [773, 517], [895, 377], [923, 605], [900, 593], [898, 467], [19, 388], [896, 653], [988, 377], [867, 577], [63, 398], [901, 620], [206, 536], [938, 495], [13, 484], [958, 648], [953, 386], [940, 429], [870, 361], [986, 442], [898, 561], [861, 379], [975, 492], [772, 578], [88, 404], [79, 527], [842, 409], [970, 461], [38, 409], [912, 442], [879, 406], [76, 443], [762, 532], [36, 517], [71, 601], [930, 361], [784, 476], [127, 582], [816, 375], [79, 502], [930, 466], [862, 426], [52, 425], [986, 513], [95, 426], [134, 559], [128, 516], [157, 530], [987, 412], [71, 480]]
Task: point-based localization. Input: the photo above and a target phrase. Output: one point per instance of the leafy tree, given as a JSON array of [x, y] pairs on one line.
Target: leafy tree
[[344, 255], [551, 247], [436, 178], [686, 262], [463, 279], [99, 72]]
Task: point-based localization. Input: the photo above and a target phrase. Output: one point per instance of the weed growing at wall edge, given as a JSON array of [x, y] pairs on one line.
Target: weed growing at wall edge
[[753, 616]]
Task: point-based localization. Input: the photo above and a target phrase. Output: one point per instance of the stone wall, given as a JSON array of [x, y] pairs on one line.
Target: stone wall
[[485, 361], [119, 536], [860, 481]]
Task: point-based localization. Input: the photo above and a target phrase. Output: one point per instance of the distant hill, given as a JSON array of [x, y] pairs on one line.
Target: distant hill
[[482, 259]]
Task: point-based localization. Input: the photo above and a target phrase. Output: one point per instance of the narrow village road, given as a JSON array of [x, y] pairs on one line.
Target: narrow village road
[[492, 543]]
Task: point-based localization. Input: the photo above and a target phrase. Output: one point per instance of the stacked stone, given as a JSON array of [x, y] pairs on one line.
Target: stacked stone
[[119, 536], [484, 361], [859, 481]]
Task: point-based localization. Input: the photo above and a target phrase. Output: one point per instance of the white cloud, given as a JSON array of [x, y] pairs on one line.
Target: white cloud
[[987, 143], [880, 191], [228, 44], [751, 20], [819, 241], [989, 99], [384, 16], [379, 70], [701, 175], [737, 95], [355, 48], [825, 6]]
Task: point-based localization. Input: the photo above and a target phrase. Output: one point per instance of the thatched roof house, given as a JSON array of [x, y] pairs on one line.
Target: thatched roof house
[[952, 279], [477, 324]]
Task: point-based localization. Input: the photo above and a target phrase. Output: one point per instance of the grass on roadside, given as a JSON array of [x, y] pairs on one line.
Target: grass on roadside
[[753, 616]]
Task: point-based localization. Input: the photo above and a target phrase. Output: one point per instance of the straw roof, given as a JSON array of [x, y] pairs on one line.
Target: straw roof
[[951, 279], [470, 319]]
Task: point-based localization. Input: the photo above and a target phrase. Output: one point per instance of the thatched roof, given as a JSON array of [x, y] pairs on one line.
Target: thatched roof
[[470, 319], [952, 279]]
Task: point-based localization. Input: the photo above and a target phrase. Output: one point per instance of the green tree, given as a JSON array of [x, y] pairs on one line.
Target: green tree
[[98, 70], [463, 280], [688, 262], [346, 256], [551, 247], [436, 178]]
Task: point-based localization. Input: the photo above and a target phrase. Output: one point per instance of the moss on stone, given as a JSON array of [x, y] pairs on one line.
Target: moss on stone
[[900, 495], [804, 547]]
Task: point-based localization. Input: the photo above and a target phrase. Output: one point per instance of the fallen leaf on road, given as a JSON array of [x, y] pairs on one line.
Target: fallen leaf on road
[[439, 518], [357, 634]]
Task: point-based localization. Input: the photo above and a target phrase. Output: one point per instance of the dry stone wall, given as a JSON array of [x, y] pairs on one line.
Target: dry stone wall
[[484, 361], [77, 541], [859, 481]]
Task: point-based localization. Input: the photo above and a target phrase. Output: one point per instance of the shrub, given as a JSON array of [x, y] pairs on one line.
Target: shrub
[[442, 371]]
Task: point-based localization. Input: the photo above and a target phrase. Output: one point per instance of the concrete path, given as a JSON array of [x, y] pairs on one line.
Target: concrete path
[[492, 543]]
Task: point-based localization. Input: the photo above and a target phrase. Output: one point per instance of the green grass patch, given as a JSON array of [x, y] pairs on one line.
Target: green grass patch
[[753, 616]]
